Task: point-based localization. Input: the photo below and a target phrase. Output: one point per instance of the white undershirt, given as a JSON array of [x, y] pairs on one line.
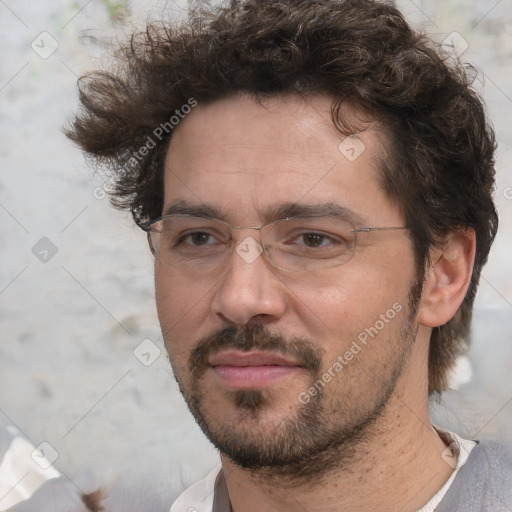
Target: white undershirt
[[458, 451]]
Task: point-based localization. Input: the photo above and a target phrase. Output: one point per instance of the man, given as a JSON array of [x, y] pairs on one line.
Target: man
[[315, 180]]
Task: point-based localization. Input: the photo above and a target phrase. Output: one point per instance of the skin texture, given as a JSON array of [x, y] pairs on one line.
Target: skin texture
[[367, 433]]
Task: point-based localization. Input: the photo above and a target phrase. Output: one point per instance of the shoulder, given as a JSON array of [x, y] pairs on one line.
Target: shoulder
[[492, 462], [484, 483]]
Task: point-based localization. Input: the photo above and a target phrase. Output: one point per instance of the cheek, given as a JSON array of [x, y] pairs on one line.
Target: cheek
[[340, 306], [179, 305], [178, 297]]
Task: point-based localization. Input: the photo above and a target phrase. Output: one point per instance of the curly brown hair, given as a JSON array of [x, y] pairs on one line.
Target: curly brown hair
[[439, 166]]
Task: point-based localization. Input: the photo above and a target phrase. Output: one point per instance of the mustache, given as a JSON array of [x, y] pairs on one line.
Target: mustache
[[254, 337]]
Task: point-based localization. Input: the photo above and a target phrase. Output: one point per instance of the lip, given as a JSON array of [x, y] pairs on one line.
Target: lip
[[238, 358], [251, 370]]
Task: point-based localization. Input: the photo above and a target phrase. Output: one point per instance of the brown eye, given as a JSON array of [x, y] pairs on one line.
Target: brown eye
[[196, 239], [313, 239]]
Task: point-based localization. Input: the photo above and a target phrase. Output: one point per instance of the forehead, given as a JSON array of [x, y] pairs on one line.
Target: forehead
[[244, 157]]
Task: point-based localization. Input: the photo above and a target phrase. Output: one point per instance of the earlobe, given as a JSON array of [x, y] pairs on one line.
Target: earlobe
[[447, 278]]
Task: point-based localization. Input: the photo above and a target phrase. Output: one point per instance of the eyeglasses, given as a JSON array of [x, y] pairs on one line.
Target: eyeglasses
[[294, 244]]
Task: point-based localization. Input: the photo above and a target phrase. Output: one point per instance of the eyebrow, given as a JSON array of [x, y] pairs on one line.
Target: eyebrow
[[269, 214]]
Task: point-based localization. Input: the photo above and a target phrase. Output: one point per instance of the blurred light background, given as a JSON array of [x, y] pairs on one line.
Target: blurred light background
[[76, 285]]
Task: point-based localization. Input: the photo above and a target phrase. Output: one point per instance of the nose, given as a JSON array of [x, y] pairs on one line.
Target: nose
[[249, 287]]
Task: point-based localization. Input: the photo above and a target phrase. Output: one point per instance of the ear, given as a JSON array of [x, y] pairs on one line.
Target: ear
[[447, 278]]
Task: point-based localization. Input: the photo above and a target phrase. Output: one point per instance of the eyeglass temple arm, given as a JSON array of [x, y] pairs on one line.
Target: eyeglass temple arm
[[365, 230]]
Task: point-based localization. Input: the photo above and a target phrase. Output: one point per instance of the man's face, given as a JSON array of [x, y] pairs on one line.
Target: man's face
[[249, 343]]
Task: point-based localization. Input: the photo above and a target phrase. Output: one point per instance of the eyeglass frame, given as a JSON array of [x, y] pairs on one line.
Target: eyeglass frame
[[147, 227]]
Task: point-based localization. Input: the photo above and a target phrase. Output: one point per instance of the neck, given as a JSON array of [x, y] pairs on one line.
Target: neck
[[398, 467]]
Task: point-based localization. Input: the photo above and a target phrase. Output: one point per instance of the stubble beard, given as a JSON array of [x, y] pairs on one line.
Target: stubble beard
[[319, 437]]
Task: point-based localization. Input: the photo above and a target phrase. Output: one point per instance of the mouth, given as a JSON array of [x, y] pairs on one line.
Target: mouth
[[251, 370]]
